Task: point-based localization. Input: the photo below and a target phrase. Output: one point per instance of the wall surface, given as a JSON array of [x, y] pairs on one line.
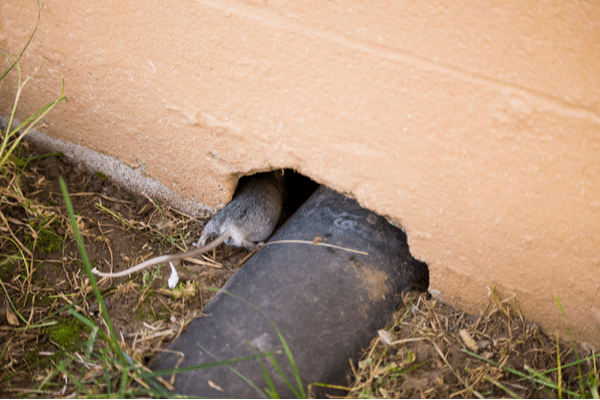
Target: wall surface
[[475, 125]]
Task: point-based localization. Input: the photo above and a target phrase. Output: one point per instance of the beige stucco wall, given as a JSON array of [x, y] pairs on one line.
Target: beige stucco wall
[[477, 126]]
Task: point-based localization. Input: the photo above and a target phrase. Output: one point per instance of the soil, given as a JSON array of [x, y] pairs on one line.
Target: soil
[[143, 229], [432, 343]]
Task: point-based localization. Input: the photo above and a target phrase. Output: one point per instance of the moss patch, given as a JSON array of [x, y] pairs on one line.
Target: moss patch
[[48, 240], [100, 176], [66, 332]]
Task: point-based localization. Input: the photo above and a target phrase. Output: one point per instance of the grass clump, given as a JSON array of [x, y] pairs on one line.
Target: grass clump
[[13, 136], [433, 350]]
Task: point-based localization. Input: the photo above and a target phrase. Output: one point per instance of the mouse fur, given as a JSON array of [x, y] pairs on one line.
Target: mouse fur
[[251, 216]]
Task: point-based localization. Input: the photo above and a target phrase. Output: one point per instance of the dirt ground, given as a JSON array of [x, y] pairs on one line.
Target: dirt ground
[[438, 351], [430, 349], [119, 229]]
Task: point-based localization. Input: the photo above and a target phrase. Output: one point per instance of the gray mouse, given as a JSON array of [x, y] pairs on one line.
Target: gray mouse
[[246, 221]]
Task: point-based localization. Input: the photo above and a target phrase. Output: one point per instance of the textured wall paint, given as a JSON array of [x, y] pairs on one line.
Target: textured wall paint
[[477, 126]]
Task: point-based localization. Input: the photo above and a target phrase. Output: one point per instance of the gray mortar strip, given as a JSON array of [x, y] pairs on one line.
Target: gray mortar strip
[[131, 179]]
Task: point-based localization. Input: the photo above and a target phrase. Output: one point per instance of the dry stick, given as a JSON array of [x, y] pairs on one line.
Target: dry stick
[[47, 224], [28, 278], [29, 253], [191, 218], [109, 248], [29, 321], [155, 210], [248, 256], [63, 263], [483, 373], [354, 389], [97, 194], [301, 242], [475, 392], [156, 207], [172, 209], [402, 341], [149, 199], [316, 244], [106, 242], [212, 263]]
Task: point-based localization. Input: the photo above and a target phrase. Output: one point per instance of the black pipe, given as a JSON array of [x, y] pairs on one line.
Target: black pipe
[[327, 302]]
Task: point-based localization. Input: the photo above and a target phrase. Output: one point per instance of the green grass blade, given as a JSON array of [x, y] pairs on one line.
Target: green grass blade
[[272, 391], [124, 381], [26, 44], [106, 374], [11, 303], [286, 348], [32, 120], [283, 377], [88, 269], [83, 319], [117, 217], [328, 386], [92, 339], [530, 378], [290, 357], [559, 367], [503, 387], [248, 381], [590, 358], [63, 369], [594, 389], [580, 374]]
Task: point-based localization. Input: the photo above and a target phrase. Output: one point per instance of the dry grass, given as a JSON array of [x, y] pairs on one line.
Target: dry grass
[[433, 350]]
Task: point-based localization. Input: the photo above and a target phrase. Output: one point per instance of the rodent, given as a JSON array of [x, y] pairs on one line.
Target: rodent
[[245, 221]]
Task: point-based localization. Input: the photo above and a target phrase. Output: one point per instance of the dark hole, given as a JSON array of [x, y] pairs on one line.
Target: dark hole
[[298, 188]]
